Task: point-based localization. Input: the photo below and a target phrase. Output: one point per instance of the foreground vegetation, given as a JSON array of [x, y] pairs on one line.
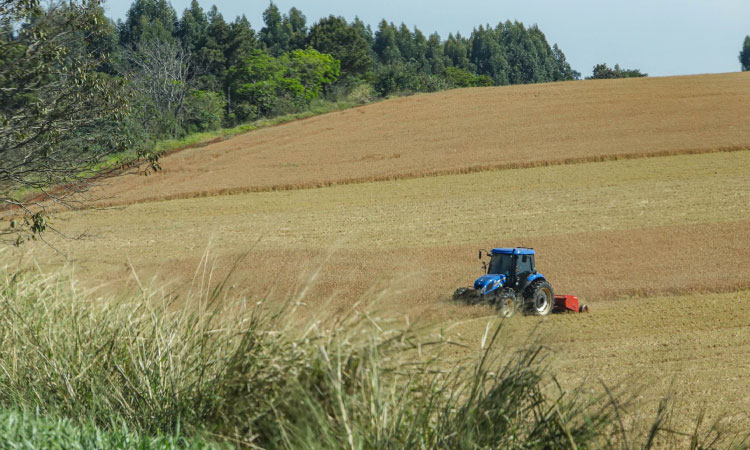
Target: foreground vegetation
[[207, 366], [27, 430]]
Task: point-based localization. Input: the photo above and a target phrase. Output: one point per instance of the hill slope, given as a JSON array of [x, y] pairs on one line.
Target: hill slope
[[604, 230], [461, 131]]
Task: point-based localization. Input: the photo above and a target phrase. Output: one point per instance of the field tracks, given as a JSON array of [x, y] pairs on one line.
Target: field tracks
[[429, 173]]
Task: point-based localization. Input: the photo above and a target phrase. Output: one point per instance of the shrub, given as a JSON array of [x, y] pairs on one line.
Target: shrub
[[602, 71], [204, 111], [361, 94], [458, 77]]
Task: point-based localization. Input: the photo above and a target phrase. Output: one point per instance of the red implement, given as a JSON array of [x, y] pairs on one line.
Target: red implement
[[565, 303]]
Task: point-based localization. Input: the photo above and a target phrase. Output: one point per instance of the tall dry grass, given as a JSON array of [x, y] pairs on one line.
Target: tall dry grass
[[242, 375]]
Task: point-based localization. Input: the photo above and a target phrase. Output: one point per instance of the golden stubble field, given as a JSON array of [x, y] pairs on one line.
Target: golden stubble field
[[697, 346], [461, 131], [603, 230], [659, 247]]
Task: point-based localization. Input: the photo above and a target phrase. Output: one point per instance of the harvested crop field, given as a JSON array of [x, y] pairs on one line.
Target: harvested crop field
[[603, 230], [659, 247], [698, 346], [462, 131]]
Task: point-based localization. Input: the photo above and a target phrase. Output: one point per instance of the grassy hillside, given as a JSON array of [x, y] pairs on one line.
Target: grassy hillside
[[658, 246], [464, 130]]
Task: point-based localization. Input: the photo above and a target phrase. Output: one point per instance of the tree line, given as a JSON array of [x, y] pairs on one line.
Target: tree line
[[225, 73], [604, 72]]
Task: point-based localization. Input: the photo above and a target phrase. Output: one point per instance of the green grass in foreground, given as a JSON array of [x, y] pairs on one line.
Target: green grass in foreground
[[24, 430], [224, 368]]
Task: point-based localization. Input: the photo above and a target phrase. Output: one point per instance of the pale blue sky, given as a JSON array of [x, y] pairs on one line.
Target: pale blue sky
[[660, 37]]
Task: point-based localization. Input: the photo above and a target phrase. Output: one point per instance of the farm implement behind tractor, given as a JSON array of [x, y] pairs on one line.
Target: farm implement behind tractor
[[511, 283]]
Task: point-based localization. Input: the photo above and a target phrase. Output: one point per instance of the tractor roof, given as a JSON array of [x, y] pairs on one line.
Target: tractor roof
[[513, 251]]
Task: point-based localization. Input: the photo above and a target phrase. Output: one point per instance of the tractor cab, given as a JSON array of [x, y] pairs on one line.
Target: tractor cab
[[516, 264]]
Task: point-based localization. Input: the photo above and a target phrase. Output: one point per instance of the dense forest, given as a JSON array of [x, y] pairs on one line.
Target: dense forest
[[223, 73]]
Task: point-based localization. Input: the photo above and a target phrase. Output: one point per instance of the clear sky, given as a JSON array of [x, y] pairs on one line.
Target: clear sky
[[660, 37]]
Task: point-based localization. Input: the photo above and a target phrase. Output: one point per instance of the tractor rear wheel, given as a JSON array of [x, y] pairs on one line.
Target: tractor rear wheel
[[506, 304], [539, 298]]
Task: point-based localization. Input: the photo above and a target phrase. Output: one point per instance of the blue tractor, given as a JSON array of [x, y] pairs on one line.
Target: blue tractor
[[510, 283]]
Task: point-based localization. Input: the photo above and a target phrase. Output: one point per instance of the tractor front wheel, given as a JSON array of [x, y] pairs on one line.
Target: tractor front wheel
[[460, 293], [506, 304], [539, 298]]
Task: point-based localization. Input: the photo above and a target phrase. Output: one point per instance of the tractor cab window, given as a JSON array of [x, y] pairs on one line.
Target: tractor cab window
[[525, 264], [501, 264]]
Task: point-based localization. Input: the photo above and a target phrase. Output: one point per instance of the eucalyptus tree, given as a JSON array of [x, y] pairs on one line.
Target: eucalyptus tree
[[334, 36]]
